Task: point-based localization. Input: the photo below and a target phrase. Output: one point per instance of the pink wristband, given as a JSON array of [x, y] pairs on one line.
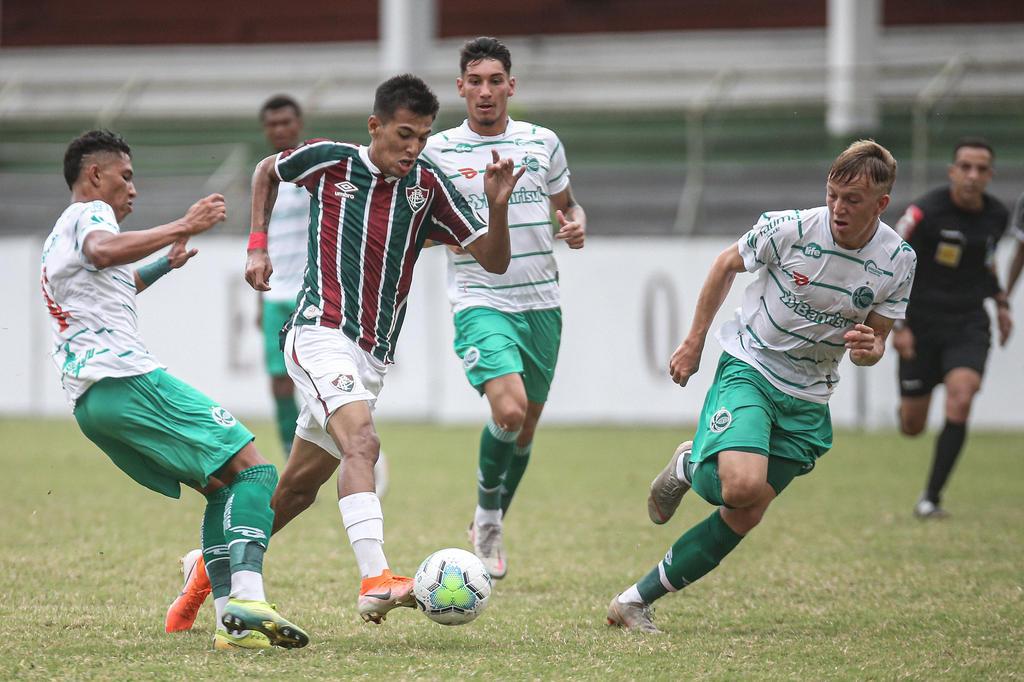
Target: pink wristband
[[257, 240]]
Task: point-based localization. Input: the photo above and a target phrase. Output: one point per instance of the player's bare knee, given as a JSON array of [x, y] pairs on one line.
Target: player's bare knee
[[740, 491], [509, 415], [743, 521]]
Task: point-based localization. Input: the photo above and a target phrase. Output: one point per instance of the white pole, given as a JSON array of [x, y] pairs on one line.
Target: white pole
[[407, 30], [853, 27]]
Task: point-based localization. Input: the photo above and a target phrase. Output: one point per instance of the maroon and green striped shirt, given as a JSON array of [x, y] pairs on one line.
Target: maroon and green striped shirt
[[366, 231]]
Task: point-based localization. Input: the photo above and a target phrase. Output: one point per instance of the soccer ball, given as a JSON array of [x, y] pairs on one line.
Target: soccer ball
[[452, 586]]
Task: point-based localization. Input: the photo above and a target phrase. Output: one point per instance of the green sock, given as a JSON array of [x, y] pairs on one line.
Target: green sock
[[495, 452], [516, 468], [693, 555], [248, 517], [215, 548], [287, 412]]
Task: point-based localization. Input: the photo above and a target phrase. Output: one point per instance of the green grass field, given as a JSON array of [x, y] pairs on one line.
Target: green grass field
[[839, 581]]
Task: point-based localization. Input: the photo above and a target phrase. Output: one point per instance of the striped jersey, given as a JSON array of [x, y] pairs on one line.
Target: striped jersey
[[286, 242], [92, 311], [809, 292], [531, 281], [366, 231]]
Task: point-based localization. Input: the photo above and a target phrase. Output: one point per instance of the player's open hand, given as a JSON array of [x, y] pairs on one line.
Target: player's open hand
[[862, 344], [1005, 323], [571, 231], [258, 269], [500, 180], [206, 213], [180, 253], [685, 361]]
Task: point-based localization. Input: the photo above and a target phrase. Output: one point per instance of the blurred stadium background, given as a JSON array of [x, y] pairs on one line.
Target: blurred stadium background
[[683, 120]]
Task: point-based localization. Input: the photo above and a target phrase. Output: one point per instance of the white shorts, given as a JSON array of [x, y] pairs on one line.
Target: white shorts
[[329, 370]]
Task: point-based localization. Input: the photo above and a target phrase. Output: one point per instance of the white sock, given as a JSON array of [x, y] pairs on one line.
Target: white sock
[[247, 585], [218, 606], [364, 522], [484, 517], [631, 596], [681, 472]]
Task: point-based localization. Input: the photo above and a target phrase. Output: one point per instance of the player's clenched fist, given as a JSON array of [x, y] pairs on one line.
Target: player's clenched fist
[[258, 269], [206, 213], [863, 346], [571, 231], [685, 361]]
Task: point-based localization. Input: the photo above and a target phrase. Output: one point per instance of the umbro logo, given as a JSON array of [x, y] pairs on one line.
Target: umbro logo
[[345, 190], [801, 280]]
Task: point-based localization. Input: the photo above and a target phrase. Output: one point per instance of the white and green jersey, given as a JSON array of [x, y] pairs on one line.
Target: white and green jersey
[[809, 292], [531, 281], [286, 242], [92, 311]]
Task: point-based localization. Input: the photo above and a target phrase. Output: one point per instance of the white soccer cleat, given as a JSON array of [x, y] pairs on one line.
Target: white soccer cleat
[[926, 509], [667, 489], [634, 616], [487, 545]]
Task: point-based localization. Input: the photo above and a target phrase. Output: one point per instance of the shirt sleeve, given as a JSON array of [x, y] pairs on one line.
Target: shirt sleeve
[[767, 240], [895, 305], [908, 222], [307, 163], [1017, 219], [558, 174], [97, 216], [452, 221]]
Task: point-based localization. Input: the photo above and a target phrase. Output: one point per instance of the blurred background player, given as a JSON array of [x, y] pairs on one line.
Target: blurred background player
[[1017, 227], [954, 229], [831, 279], [378, 206], [154, 427], [281, 118], [507, 326]]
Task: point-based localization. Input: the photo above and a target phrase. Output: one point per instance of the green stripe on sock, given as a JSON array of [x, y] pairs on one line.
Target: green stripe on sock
[[514, 474], [495, 453], [215, 549], [248, 517]]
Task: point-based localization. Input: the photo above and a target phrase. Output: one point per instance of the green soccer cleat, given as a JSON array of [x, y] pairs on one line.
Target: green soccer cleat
[[225, 641], [241, 614]]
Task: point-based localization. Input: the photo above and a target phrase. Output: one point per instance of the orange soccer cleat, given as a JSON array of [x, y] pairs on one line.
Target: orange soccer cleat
[[182, 612], [380, 594]]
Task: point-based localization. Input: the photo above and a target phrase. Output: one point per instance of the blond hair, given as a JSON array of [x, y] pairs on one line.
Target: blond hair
[[865, 158]]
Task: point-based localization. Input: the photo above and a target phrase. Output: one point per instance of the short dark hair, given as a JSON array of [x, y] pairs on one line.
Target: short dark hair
[[867, 158], [280, 102], [485, 47], [90, 143], [404, 92], [974, 142]]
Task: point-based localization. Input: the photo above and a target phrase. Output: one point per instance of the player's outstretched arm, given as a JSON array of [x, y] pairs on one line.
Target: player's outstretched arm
[[685, 360], [572, 219], [106, 249], [866, 342], [493, 251], [264, 195]]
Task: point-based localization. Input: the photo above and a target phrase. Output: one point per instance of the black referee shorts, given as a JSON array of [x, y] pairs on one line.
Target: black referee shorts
[[943, 342]]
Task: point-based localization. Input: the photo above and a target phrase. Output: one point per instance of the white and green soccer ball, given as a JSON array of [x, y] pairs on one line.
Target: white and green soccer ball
[[452, 586]]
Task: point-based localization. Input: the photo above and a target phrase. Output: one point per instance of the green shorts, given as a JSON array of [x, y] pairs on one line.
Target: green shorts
[[159, 430], [743, 411], [492, 343], [275, 314]]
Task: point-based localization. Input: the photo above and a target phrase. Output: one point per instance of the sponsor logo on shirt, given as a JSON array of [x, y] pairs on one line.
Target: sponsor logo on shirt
[[469, 173], [345, 190], [800, 279], [463, 148], [416, 196], [873, 269], [520, 196], [311, 312], [531, 163], [720, 420], [801, 308], [813, 250]]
